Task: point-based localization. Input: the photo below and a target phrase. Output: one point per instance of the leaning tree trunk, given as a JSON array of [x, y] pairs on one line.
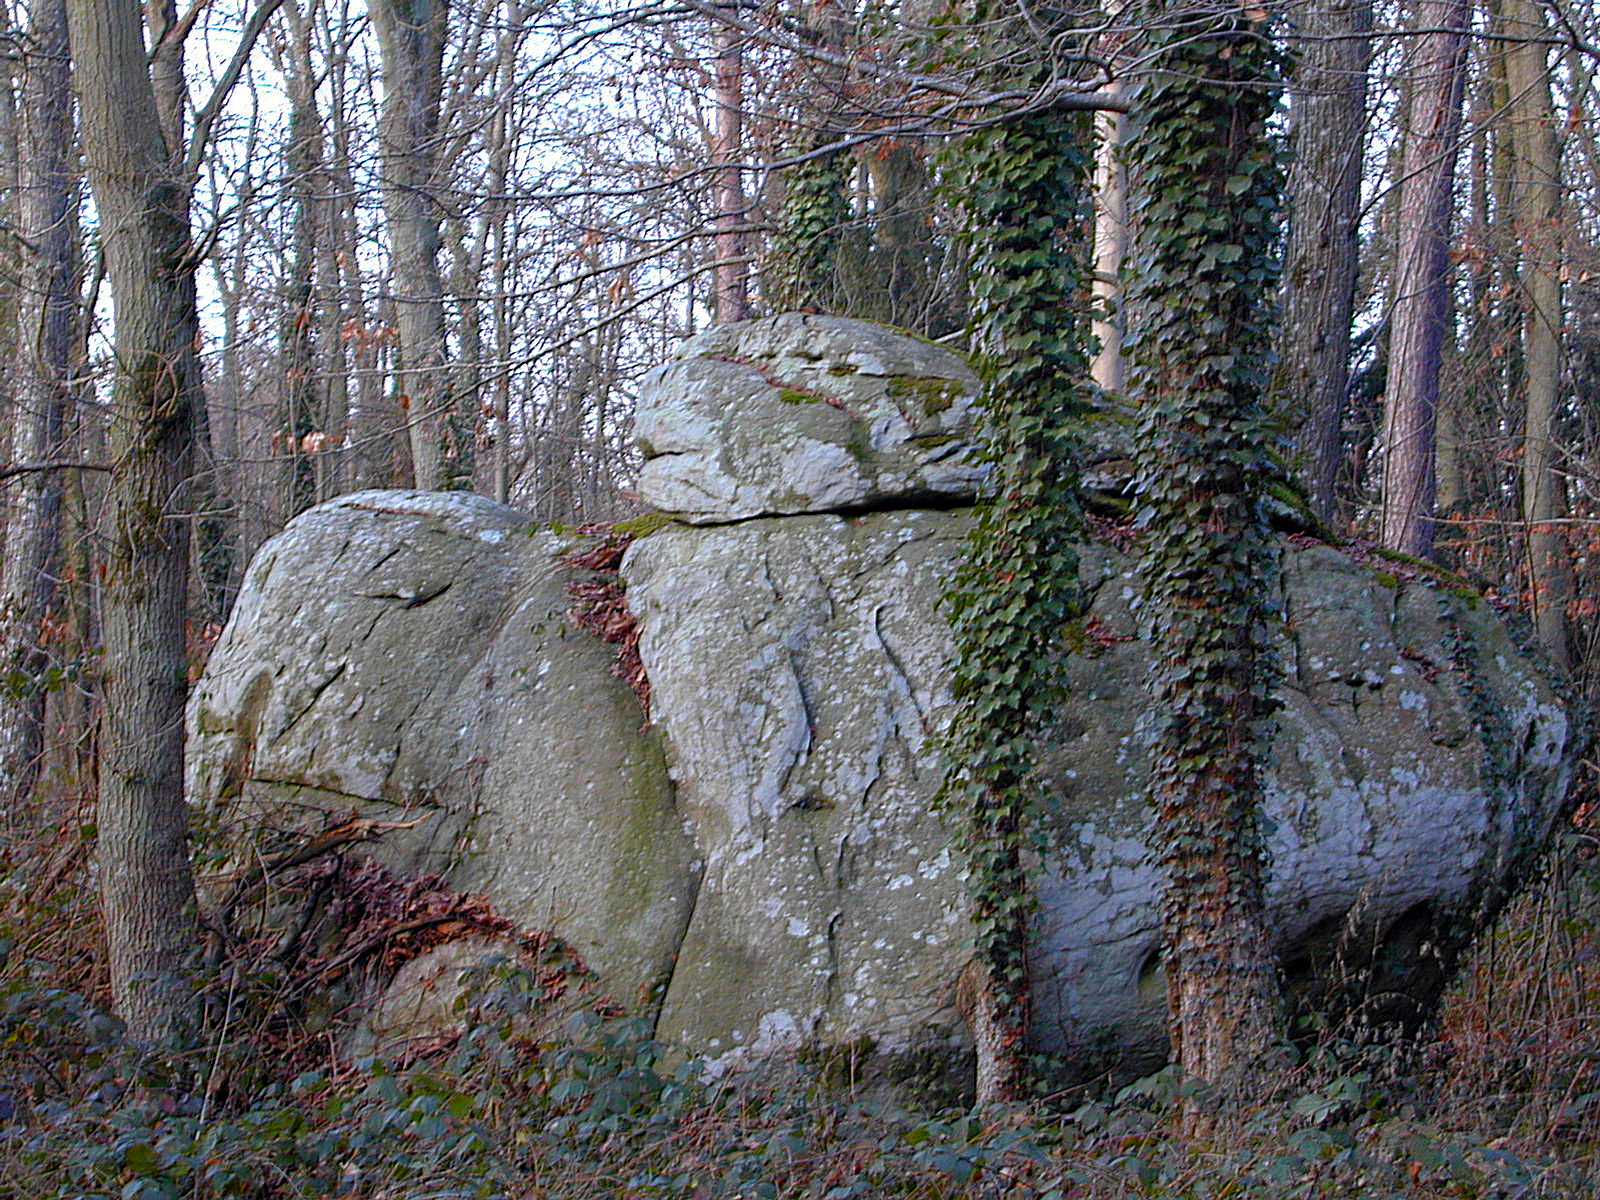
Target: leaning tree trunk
[[411, 37], [1328, 124], [47, 220], [147, 888], [1538, 226], [1422, 273], [1205, 194]]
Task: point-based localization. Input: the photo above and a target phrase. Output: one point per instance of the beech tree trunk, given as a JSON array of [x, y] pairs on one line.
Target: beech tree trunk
[[143, 204], [1327, 123], [47, 219], [1537, 198], [411, 35], [1422, 273]]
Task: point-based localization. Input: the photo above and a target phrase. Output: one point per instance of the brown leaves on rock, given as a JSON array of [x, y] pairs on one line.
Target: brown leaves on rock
[[600, 607], [606, 554], [1120, 535], [1102, 636], [398, 919]]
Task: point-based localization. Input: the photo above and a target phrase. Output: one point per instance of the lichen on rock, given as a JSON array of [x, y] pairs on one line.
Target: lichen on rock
[[762, 868]]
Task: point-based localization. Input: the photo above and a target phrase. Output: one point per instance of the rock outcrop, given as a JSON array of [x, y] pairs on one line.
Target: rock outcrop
[[409, 656], [762, 868], [799, 414]]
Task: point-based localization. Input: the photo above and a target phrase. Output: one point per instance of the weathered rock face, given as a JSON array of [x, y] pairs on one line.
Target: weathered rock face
[[804, 414], [799, 669], [780, 871], [409, 656]]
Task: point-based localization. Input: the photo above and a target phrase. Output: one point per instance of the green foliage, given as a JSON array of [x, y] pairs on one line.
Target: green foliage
[[1020, 187], [1206, 189], [803, 260]]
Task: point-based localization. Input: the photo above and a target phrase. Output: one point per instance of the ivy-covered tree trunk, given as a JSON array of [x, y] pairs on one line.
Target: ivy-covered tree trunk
[[805, 246], [1022, 190], [1205, 211]]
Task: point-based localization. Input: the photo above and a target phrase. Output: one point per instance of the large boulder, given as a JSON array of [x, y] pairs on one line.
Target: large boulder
[[800, 674], [797, 414], [408, 657], [762, 869]]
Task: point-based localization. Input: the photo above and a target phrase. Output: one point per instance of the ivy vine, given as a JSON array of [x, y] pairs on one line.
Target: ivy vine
[[1206, 190], [1021, 189], [802, 270]]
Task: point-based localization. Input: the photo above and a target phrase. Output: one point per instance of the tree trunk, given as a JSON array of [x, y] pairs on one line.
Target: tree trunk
[[468, 427], [1110, 245], [47, 217], [143, 204], [299, 418], [1205, 194], [411, 36], [9, 269], [211, 539], [732, 273], [1422, 273], [1458, 407], [1539, 236], [501, 145], [1328, 119]]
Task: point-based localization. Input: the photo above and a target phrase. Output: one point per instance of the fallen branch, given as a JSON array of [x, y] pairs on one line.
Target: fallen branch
[[349, 832]]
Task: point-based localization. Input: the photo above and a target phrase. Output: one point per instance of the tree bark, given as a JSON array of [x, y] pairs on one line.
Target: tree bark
[[501, 145], [411, 36], [1328, 125], [298, 418], [732, 274], [1422, 273], [143, 204], [1537, 197], [47, 217], [9, 269], [1110, 245]]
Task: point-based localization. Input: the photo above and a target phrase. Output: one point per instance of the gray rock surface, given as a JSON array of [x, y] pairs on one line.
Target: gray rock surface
[[798, 667], [425, 998], [408, 656], [796, 414], [763, 868]]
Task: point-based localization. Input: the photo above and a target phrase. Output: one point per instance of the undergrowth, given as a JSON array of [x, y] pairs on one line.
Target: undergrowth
[[1503, 1102], [546, 1091]]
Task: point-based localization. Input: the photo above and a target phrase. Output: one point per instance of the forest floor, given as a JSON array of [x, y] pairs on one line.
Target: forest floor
[[1500, 1097]]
